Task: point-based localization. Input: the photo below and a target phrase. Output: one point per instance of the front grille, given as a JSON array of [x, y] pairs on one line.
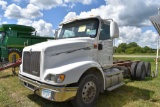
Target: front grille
[[31, 63]]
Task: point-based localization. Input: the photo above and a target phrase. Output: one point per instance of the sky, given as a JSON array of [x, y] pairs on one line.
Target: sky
[[132, 16]]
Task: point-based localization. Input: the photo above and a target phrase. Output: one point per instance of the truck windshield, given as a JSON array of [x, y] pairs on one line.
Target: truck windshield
[[2, 34], [80, 28]]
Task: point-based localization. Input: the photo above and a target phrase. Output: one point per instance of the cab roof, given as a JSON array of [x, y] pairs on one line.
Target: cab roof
[[91, 17], [76, 19]]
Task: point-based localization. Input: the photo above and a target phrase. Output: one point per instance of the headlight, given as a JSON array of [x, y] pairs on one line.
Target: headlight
[[59, 78]]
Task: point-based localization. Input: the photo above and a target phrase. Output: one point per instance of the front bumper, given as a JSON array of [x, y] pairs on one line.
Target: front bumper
[[58, 94]]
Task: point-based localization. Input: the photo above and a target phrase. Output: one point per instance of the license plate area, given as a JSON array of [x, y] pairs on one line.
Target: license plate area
[[47, 94]]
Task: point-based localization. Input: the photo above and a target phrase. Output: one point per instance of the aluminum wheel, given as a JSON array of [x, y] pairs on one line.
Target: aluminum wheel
[[89, 92]]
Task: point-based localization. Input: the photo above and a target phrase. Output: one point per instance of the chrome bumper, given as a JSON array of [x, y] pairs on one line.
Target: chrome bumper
[[58, 94]]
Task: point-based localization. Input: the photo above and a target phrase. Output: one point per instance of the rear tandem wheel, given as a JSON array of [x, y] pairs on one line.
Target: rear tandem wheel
[[140, 71], [148, 68], [133, 70]]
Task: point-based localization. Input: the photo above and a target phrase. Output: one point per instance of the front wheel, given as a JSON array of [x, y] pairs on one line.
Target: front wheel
[[88, 92]]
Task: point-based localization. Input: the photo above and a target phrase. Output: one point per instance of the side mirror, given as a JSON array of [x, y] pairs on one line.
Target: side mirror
[[114, 30], [56, 33]]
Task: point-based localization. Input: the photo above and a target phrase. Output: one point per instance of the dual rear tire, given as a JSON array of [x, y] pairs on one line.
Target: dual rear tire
[[148, 68], [140, 70]]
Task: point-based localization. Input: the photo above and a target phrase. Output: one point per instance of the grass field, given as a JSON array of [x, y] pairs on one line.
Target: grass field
[[134, 94]]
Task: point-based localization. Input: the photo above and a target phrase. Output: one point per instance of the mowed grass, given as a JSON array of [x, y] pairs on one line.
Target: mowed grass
[[134, 94]]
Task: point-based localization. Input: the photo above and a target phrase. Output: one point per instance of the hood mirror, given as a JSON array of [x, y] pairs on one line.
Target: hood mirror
[[56, 34]]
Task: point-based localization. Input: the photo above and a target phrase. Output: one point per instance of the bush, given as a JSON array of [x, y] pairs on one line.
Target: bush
[[132, 48]]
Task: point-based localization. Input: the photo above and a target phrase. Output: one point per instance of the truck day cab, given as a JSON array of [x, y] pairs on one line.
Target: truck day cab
[[77, 66]]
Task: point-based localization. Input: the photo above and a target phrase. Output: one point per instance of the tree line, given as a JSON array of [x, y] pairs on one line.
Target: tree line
[[132, 48]]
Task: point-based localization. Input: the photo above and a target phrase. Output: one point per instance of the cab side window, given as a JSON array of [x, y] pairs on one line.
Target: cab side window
[[105, 32]]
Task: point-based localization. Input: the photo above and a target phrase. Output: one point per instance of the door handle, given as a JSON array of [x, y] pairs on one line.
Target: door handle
[[100, 47]]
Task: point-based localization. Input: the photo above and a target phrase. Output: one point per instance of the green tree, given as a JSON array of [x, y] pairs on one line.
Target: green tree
[[132, 48], [138, 49], [122, 48], [115, 49], [132, 44], [147, 49]]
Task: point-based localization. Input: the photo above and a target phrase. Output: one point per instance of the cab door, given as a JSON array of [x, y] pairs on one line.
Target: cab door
[[105, 46]]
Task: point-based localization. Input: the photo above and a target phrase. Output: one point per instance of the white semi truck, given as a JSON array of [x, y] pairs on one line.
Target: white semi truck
[[78, 65]]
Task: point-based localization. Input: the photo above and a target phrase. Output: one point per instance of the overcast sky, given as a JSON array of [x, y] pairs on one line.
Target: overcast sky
[[132, 16]]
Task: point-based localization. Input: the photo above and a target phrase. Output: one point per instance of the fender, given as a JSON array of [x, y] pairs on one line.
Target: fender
[[72, 71]]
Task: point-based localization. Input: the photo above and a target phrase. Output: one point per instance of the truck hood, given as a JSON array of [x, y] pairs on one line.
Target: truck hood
[[61, 45]]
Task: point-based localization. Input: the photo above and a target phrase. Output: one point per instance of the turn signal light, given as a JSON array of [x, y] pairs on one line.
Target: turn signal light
[[95, 46], [60, 78]]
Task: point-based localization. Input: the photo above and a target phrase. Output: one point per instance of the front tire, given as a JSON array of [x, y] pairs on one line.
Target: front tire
[[88, 91]]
